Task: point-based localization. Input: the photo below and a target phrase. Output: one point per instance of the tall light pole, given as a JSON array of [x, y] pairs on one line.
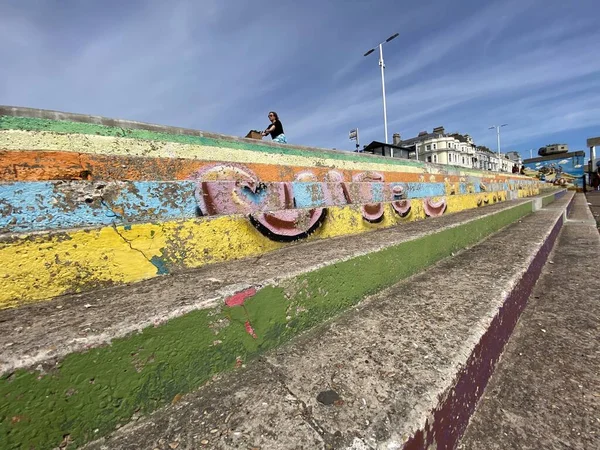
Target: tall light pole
[[382, 65], [497, 127]]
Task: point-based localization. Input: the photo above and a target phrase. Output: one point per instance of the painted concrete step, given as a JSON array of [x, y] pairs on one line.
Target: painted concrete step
[[78, 366], [545, 392], [403, 369]]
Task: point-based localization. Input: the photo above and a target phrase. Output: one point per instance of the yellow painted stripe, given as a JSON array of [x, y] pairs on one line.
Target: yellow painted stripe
[[109, 145], [43, 266]]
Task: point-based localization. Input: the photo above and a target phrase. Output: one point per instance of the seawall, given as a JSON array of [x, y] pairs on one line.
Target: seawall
[[89, 202]]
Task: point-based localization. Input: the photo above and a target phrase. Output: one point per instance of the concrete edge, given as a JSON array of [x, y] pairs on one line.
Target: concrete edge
[[448, 421], [227, 292]]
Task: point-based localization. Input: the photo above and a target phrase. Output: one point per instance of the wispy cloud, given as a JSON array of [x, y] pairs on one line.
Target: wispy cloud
[[220, 66], [469, 95]]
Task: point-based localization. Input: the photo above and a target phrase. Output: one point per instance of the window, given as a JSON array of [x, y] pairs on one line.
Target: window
[[434, 158], [429, 159], [463, 159], [434, 146], [428, 146]]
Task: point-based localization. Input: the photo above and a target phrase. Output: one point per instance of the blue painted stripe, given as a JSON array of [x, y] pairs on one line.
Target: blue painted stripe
[[377, 192], [419, 190], [308, 194], [35, 206]]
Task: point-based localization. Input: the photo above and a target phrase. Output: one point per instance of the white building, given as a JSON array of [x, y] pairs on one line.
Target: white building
[[454, 149]]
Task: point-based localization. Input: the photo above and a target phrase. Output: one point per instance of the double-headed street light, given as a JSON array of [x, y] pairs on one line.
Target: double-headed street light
[[382, 65], [497, 127]]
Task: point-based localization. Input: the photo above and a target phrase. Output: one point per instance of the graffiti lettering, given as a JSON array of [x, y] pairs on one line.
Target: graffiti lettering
[[287, 211]]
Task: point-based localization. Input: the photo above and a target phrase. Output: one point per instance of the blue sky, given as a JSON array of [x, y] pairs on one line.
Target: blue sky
[[221, 65]]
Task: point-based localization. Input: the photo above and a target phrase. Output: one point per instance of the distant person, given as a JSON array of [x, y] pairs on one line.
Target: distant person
[[275, 129], [515, 169], [522, 172]]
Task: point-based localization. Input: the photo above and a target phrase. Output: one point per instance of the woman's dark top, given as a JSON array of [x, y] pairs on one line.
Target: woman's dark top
[[277, 130]]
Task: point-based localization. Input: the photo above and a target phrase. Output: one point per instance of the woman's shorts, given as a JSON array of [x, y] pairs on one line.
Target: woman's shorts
[[280, 139]]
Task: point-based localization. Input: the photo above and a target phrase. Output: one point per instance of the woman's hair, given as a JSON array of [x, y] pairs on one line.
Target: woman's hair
[[275, 114]]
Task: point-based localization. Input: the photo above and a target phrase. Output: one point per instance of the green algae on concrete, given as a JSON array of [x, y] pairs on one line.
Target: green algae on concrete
[[546, 200], [87, 395]]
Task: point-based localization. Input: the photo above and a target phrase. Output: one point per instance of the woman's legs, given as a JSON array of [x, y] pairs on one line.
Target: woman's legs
[[280, 139]]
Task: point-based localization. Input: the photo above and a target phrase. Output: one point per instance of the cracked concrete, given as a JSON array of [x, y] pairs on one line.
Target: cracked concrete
[[392, 359], [128, 242]]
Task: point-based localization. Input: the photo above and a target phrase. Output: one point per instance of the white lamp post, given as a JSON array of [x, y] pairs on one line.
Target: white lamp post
[[497, 127], [382, 65]]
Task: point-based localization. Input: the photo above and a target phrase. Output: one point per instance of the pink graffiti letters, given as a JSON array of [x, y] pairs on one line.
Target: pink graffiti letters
[[272, 207], [434, 209]]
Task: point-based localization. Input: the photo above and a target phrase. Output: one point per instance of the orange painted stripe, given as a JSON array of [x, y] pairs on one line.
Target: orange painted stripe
[[30, 165]]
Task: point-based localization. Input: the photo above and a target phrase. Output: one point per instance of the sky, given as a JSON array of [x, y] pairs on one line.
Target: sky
[[222, 65]]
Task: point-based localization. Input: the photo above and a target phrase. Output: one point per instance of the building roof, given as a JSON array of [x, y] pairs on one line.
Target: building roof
[[421, 138], [377, 144]]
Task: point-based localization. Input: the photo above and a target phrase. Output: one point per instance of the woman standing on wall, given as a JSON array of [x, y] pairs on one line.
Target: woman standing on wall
[[275, 129]]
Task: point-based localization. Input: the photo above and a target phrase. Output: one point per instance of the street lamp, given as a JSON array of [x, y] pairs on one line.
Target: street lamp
[[382, 65], [497, 127]]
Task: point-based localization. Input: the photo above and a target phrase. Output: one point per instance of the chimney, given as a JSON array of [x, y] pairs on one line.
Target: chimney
[[422, 133], [438, 130], [396, 139]]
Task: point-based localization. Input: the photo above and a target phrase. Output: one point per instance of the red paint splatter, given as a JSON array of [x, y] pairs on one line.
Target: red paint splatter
[[250, 330], [239, 298]]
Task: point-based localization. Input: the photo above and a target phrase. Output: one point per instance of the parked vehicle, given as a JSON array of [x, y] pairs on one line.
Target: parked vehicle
[[553, 149]]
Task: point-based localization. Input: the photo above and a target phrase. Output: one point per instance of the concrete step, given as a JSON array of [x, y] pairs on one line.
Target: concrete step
[[78, 366], [403, 369], [593, 201], [545, 393]]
